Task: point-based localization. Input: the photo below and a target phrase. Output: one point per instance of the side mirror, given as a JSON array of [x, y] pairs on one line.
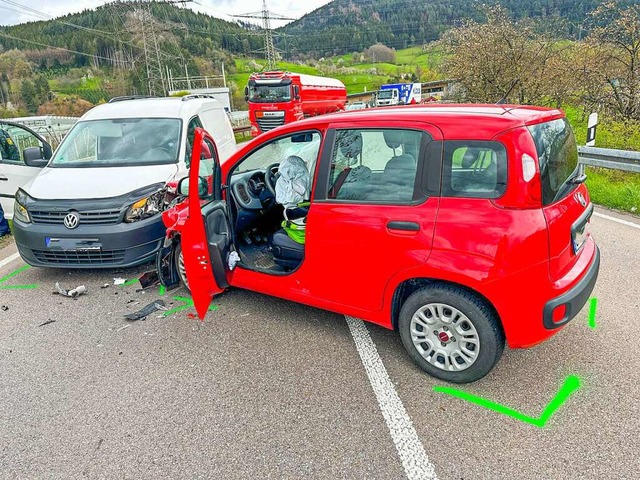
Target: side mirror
[[296, 92], [35, 157], [203, 187], [246, 93]]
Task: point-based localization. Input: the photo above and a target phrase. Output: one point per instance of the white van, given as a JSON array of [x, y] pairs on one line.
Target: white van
[[97, 202]]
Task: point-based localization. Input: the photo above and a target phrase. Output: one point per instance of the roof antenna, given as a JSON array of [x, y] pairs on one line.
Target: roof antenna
[[503, 100]]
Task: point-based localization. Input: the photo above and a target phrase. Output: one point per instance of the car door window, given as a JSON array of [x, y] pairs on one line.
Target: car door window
[[476, 169], [375, 165], [13, 141], [191, 129]]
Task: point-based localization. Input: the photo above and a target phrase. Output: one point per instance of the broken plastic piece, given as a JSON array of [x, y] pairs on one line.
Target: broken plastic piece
[[234, 258], [149, 279], [106, 285], [76, 292], [4, 308], [119, 281], [143, 312]]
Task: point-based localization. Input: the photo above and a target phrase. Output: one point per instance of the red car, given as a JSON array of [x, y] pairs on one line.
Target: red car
[[459, 226]]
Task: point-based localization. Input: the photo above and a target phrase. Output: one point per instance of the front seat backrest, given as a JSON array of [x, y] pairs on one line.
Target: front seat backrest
[[292, 186]]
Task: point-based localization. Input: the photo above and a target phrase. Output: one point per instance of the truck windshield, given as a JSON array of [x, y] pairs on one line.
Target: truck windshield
[[270, 93], [385, 94], [120, 142]]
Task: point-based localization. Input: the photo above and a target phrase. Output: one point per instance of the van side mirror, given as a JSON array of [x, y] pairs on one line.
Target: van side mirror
[[203, 187], [246, 93], [35, 157]]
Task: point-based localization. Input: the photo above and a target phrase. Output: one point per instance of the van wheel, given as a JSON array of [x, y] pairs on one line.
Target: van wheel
[[450, 333], [182, 273]]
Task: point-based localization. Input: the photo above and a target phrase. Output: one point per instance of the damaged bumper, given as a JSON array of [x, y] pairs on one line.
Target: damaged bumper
[[94, 246]]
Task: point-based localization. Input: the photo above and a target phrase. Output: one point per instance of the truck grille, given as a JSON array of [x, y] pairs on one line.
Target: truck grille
[[266, 124], [97, 217], [74, 257]]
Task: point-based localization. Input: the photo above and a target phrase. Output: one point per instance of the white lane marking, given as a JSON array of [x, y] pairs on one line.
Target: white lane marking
[[412, 455], [9, 259], [614, 219]]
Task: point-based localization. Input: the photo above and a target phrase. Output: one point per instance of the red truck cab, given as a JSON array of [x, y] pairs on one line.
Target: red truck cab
[[277, 98], [459, 226]]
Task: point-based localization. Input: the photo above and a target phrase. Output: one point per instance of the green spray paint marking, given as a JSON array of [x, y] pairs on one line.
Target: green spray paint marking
[[593, 306], [188, 304], [128, 282], [571, 384], [13, 274], [163, 290]]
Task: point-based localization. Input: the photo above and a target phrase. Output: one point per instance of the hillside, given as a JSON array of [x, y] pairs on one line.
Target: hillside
[[345, 26]]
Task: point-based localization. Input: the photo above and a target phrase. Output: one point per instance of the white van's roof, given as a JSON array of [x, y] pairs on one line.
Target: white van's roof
[[168, 107]]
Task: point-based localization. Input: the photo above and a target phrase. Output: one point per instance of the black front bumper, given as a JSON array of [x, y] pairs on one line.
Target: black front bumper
[[120, 245], [574, 299]]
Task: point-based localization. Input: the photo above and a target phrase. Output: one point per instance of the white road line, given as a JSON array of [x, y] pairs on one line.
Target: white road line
[[412, 455], [9, 259], [614, 219]]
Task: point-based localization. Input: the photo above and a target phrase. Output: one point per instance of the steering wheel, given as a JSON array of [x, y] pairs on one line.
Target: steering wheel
[[270, 177]]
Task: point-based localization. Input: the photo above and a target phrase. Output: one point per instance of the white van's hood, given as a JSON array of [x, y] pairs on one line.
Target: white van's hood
[[88, 183]]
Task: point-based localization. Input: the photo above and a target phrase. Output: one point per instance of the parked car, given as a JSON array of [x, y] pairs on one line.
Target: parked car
[[18, 142], [458, 226], [357, 106], [97, 202]]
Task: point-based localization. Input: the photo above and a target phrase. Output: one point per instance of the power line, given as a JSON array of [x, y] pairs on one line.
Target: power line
[[269, 49], [6, 35]]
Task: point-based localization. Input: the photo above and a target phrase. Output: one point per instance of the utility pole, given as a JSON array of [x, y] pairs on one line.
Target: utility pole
[[270, 53]]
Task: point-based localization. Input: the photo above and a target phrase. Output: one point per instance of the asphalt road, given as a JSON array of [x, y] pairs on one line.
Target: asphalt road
[[265, 388]]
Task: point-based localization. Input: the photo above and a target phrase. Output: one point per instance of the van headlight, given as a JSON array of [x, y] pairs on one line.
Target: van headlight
[[145, 207], [19, 208]]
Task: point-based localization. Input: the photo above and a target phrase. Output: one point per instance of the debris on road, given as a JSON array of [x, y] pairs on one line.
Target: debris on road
[[147, 310], [123, 327], [149, 279], [4, 308], [74, 293], [119, 281], [46, 323], [106, 285]]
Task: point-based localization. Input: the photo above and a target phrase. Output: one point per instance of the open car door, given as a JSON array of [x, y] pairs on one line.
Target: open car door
[[206, 234]]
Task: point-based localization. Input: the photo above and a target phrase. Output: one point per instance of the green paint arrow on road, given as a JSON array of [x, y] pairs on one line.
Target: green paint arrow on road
[[571, 384], [188, 304]]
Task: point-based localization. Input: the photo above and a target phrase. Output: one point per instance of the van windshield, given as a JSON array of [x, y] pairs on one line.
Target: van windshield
[[120, 142], [385, 94], [557, 157]]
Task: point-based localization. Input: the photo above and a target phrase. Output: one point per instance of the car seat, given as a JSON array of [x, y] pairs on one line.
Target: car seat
[[350, 143], [292, 192]]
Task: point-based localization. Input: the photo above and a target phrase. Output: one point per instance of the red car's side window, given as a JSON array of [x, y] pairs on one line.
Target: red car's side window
[[374, 165]]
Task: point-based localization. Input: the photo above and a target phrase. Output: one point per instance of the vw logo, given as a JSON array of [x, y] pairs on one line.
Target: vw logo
[[580, 199], [72, 220]]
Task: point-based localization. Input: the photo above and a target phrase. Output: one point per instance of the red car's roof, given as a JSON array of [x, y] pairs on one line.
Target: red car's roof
[[456, 121]]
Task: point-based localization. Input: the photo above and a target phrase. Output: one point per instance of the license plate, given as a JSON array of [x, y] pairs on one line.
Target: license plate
[[270, 114], [73, 244]]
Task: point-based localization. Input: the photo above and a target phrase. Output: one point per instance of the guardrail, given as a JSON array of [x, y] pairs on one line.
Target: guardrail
[[609, 158]]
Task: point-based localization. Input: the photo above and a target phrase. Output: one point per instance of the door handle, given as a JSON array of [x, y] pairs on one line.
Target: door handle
[[400, 225], [3, 178]]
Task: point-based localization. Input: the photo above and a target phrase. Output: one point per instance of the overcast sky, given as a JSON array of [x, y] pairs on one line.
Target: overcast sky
[[10, 14]]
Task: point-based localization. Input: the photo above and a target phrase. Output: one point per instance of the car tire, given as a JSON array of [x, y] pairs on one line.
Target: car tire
[[451, 333], [179, 260]]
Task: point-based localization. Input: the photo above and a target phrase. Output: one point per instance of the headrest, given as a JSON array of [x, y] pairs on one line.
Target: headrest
[[394, 138], [350, 143], [470, 157]]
